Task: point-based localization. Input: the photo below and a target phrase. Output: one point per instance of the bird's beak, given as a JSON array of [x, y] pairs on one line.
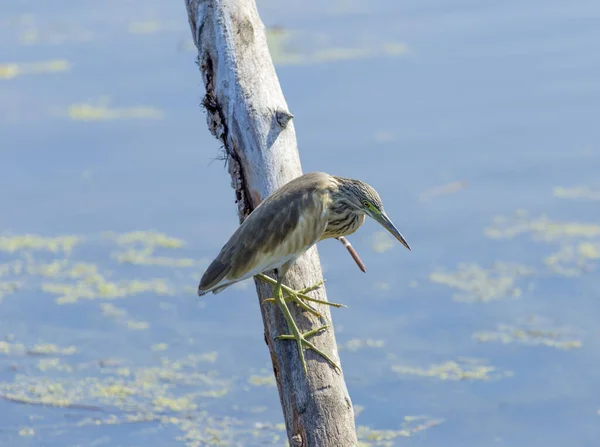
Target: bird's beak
[[388, 225]]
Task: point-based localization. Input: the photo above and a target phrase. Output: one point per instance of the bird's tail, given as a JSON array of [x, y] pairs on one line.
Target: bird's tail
[[214, 290], [215, 273]]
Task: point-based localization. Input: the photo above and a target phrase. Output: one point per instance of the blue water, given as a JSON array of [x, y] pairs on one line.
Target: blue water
[[501, 99]]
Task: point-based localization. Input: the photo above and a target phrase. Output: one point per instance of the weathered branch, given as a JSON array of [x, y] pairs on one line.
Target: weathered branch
[[247, 112]]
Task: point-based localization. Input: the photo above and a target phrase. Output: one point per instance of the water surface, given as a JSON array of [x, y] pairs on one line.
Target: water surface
[[476, 122]]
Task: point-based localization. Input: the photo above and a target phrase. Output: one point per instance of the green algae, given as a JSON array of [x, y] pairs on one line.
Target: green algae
[[541, 228], [262, 380], [411, 425], [146, 239], [176, 392], [578, 243], [476, 283], [295, 47], [8, 287], [32, 31], [140, 247], [96, 286], [576, 193], [122, 317], [159, 347], [51, 349], [102, 111], [169, 392], [144, 257], [357, 344], [54, 364], [57, 244], [56, 268], [460, 369], [64, 269], [573, 259], [534, 331], [137, 325], [13, 70], [41, 349], [381, 242], [72, 280], [26, 431]]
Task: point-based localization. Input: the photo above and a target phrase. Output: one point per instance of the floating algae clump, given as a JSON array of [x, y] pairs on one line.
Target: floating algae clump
[[96, 286], [144, 257], [478, 284], [462, 369], [56, 244], [573, 259], [577, 192], [147, 239], [411, 425], [542, 228], [356, 343], [535, 331]]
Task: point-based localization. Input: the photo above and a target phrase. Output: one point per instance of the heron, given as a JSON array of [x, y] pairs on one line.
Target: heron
[[304, 211]]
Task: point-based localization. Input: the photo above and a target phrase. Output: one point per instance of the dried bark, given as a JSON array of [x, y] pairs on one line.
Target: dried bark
[[247, 112]]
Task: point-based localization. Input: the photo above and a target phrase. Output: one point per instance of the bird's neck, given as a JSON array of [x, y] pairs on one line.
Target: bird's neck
[[342, 221]]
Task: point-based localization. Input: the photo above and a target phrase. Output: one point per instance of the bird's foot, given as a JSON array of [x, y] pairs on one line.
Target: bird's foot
[[301, 340], [299, 296]]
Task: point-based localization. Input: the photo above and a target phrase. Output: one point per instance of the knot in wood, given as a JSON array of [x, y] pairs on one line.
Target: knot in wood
[[283, 118], [297, 440]]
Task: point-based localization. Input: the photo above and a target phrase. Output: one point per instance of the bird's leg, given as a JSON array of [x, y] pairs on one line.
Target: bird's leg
[[298, 295], [307, 307], [301, 339]]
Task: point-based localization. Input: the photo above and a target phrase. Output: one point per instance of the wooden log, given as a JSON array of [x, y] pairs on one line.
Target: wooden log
[[247, 112]]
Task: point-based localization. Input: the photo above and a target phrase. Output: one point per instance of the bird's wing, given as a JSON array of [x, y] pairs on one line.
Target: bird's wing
[[279, 231]]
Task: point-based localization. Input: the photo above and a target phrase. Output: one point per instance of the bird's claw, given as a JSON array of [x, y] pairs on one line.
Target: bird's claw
[[302, 294], [298, 297], [301, 339], [307, 307], [309, 288]]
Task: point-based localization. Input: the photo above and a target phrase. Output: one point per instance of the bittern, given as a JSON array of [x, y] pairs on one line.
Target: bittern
[[280, 229]]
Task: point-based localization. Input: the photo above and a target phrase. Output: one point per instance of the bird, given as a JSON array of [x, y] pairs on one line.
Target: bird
[[306, 210]]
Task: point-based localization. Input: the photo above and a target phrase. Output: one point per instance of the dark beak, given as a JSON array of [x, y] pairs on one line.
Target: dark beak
[[388, 225]]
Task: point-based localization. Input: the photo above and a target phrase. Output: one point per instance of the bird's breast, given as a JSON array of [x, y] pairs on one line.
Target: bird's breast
[[343, 225]]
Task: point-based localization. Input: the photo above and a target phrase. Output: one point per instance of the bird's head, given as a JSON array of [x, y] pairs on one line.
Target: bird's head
[[363, 198]]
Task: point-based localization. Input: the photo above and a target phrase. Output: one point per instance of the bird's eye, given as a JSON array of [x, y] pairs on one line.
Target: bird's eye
[[366, 204]]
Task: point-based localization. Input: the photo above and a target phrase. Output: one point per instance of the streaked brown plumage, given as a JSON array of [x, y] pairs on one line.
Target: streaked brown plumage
[[306, 210]]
